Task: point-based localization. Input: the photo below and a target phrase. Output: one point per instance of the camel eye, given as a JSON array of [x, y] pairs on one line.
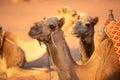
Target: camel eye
[[87, 25], [52, 26]]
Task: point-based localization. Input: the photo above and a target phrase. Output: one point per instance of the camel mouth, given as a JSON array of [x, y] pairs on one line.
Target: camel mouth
[[40, 41], [34, 32], [43, 39], [34, 35], [75, 34]]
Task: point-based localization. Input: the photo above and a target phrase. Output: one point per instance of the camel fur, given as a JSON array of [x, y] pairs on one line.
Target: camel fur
[[103, 64], [84, 30], [70, 15], [12, 57]]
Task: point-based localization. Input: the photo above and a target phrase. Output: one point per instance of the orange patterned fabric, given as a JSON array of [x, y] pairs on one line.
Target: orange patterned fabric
[[113, 31]]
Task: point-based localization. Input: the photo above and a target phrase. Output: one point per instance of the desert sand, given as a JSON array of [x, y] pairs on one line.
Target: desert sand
[[19, 17]]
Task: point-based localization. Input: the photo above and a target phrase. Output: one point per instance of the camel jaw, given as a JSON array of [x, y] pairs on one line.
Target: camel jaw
[[34, 36], [75, 34]]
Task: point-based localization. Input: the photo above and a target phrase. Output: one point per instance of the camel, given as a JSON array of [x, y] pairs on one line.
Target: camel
[[86, 25], [38, 51], [103, 64], [13, 57], [84, 30], [70, 15]]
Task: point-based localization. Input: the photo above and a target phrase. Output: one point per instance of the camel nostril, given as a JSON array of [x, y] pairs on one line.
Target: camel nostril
[[38, 29]]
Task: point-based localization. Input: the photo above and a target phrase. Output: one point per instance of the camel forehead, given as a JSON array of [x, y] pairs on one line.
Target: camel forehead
[[86, 19], [51, 21]]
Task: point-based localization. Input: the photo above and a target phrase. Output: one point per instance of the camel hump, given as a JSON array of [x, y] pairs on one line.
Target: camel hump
[[113, 31]]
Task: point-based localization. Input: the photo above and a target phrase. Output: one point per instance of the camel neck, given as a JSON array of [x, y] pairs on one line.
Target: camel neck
[[60, 54], [83, 50], [86, 46]]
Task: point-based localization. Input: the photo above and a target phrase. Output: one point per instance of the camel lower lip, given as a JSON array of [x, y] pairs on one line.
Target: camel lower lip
[[75, 35], [34, 36]]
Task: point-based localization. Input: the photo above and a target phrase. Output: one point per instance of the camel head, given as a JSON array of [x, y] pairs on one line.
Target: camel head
[[43, 29], [84, 30], [84, 26], [70, 16]]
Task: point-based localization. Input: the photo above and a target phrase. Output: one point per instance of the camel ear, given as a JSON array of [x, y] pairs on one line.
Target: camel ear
[[64, 10], [95, 20], [78, 17], [74, 13], [44, 18], [61, 22]]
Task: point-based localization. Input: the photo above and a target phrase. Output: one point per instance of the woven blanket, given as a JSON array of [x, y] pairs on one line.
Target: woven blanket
[[113, 31]]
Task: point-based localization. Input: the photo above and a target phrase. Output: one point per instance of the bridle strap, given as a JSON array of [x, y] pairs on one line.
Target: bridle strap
[[49, 51], [49, 68]]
